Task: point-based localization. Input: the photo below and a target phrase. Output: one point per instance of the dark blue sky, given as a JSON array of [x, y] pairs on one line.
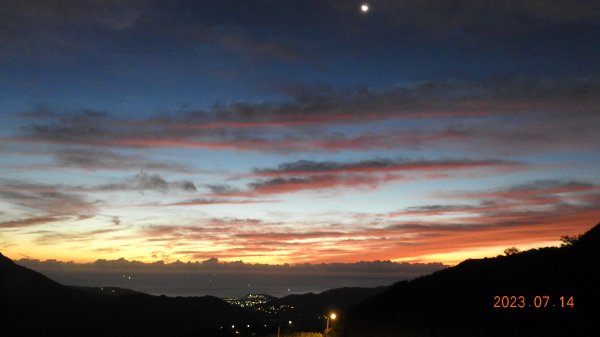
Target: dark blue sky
[[201, 52]]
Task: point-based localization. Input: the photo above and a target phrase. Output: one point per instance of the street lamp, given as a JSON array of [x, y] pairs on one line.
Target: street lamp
[[331, 316], [279, 328]]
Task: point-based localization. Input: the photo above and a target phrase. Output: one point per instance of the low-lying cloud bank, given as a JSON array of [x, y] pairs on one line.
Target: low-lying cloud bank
[[401, 270], [228, 279]]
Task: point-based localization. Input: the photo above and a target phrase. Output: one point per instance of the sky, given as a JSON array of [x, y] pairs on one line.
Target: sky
[[311, 131]]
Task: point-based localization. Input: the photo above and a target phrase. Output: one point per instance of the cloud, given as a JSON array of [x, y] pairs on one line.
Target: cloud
[[148, 182], [220, 188], [321, 182], [395, 239], [291, 183], [116, 220], [324, 175], [187, 185], [46, 28], [47, 198], [308, 167], [427, 99], [230, 278], [523, 214], [52, 28], [495, 114], [375, 268], [101, 159], [211, 201], [48, 203], [235, 39], [144, 181], [540, 190], [428, 239], [552, 186], [31, 221], [43, 204], [517, 201], [539, 208], [74, 236]]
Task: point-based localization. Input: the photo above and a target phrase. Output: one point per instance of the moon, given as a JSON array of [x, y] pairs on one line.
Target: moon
[[364, 8]]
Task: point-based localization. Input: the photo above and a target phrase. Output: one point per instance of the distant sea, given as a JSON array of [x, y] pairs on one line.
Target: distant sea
[[223, 285]]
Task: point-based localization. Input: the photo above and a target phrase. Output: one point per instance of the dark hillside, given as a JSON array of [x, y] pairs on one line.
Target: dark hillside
[[308, 310], [33, 305], [459, 301]]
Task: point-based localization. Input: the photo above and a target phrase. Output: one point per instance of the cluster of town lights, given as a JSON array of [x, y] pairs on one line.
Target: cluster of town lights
[[332, 316]]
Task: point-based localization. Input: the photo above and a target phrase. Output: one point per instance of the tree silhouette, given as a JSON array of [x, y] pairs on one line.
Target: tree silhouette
[[511, 251], [569, 240]]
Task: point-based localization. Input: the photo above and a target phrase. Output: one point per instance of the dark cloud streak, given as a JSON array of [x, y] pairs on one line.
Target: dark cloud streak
[[308, 167], [152, 182], [47, 198], [101, 159], [533, 112], [31, 221]]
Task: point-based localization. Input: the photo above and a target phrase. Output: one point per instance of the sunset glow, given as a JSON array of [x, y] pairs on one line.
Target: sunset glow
[[357, 138]]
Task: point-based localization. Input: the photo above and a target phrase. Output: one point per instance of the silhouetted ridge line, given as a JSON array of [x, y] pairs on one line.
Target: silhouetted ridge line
[[4, 261], [591, 238], [459, 301], [34, 305], [16, 280]]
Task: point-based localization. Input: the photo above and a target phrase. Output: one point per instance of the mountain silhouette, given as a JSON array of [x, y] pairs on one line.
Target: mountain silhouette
[[459, 301], [33, 305], [308, 311]]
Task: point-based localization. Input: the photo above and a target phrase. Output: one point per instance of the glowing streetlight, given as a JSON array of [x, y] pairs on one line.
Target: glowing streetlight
[[331, 316], [279, 328]]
